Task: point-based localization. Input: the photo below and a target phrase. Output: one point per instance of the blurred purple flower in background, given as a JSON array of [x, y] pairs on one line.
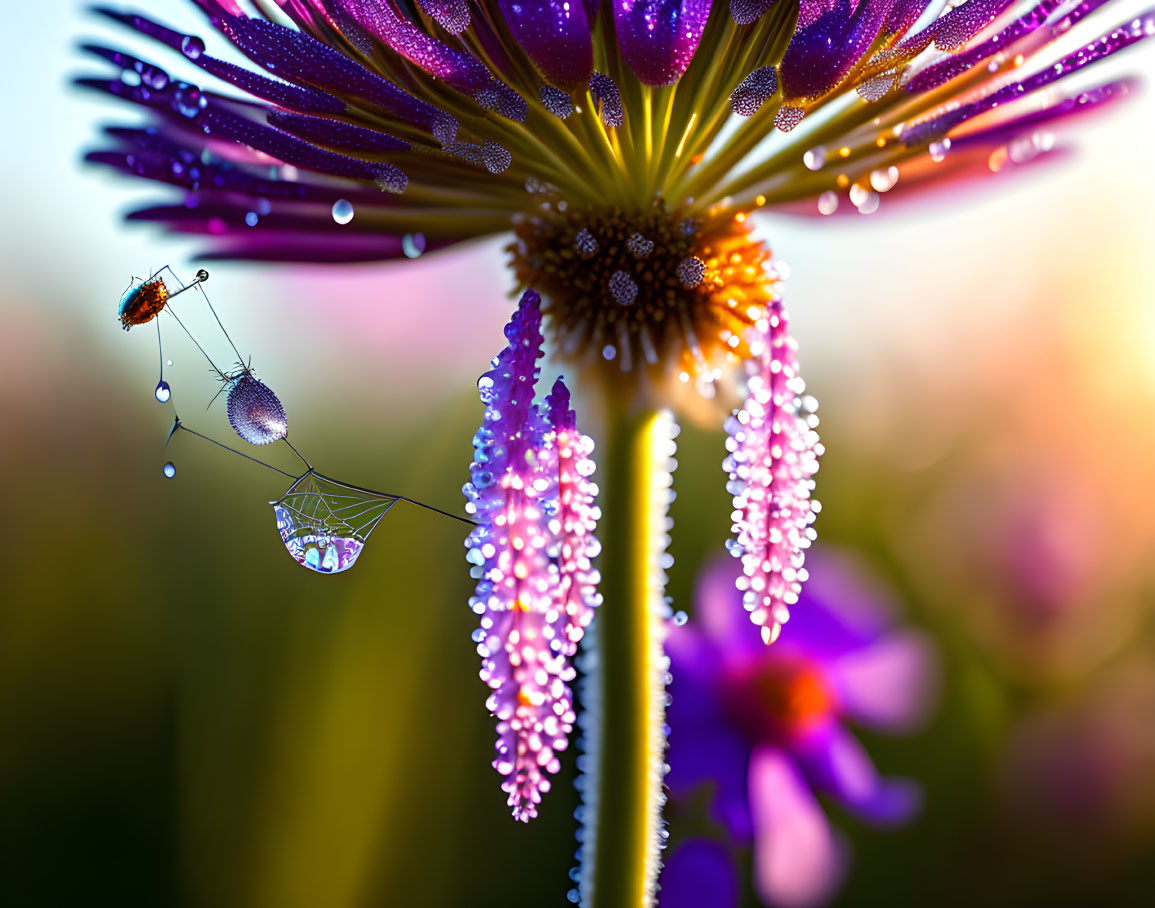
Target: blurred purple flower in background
[[766, 725]]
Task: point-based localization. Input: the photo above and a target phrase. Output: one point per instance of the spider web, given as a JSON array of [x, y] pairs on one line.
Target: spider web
[[325, 523]]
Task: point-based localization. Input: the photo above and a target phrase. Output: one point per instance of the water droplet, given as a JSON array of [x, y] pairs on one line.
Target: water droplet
[[680, 617], [884, 180], [815, 158], [162, 392], [938, 150], [609, 351], [188, 100], [342, 211], [252, 218], [202, 275], [413, 244], [169, 470], [192, 47], [828, 202], [168, 362]]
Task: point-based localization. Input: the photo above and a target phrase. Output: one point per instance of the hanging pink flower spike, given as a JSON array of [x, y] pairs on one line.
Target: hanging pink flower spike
[[773, 457], [521, 639], [574, 519]]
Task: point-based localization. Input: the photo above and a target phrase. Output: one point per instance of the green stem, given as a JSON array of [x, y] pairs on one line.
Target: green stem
[[627, 710]]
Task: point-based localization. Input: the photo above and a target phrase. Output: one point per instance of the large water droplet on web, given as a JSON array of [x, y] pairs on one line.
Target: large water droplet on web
[[325, 524], [342, 211], [162, 392], [169, 470]]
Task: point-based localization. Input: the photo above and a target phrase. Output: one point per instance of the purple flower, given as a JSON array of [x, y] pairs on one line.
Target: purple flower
[[766, 726]]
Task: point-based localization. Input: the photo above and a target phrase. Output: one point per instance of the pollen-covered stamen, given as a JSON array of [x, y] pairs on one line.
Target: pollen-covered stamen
[[774, 452], [644, 290]]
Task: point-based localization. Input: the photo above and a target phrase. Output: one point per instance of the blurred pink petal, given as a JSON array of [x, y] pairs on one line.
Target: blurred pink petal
[[797, 862], [890, 684]]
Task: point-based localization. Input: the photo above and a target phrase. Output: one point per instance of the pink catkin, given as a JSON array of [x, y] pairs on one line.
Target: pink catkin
[[773, 455]]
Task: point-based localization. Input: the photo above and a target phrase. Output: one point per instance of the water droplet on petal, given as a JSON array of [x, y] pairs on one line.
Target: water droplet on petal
[[828, 202], [192, 47], [815, 158], [680, 618], [938, 150], [169, 470], [162, 392], [252, 218], [413, 244], [342, 211]]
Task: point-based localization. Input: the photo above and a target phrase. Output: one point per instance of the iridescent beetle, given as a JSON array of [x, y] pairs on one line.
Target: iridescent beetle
[[144, 300], [323, 523]]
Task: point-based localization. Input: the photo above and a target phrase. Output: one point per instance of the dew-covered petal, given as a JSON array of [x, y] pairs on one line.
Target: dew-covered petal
[[298, 57], [658, 37], [556, 35], [451, 15], [754, 91], [797, 860], [283, 94], [746, 12], [823, 52]]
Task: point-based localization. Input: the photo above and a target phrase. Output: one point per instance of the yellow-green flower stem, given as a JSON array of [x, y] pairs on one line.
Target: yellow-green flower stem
[[625, 738]]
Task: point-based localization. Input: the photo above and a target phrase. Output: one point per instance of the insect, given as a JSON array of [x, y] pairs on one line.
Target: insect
[[145, 299], [323, 523]]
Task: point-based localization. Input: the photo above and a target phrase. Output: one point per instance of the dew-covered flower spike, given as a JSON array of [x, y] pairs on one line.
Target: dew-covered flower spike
[[522, 635], [573, 518], [773, 455]]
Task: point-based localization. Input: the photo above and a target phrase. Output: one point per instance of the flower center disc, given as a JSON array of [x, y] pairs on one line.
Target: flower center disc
[[644, 291]]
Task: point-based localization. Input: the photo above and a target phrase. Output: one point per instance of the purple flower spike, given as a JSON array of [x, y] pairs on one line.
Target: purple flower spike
[[574, 519], [556, 35], [773, 456], [658, 37], [522, 635]]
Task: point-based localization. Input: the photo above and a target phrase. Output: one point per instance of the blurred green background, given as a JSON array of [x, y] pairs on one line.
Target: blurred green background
[[187, 718]]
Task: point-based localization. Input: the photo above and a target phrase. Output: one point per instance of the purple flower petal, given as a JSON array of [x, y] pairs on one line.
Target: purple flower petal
[[699, 874], [797, 861], [889, 684], [658, 37], [556, 35], [824, 52], [451, 15], [835, 762]]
